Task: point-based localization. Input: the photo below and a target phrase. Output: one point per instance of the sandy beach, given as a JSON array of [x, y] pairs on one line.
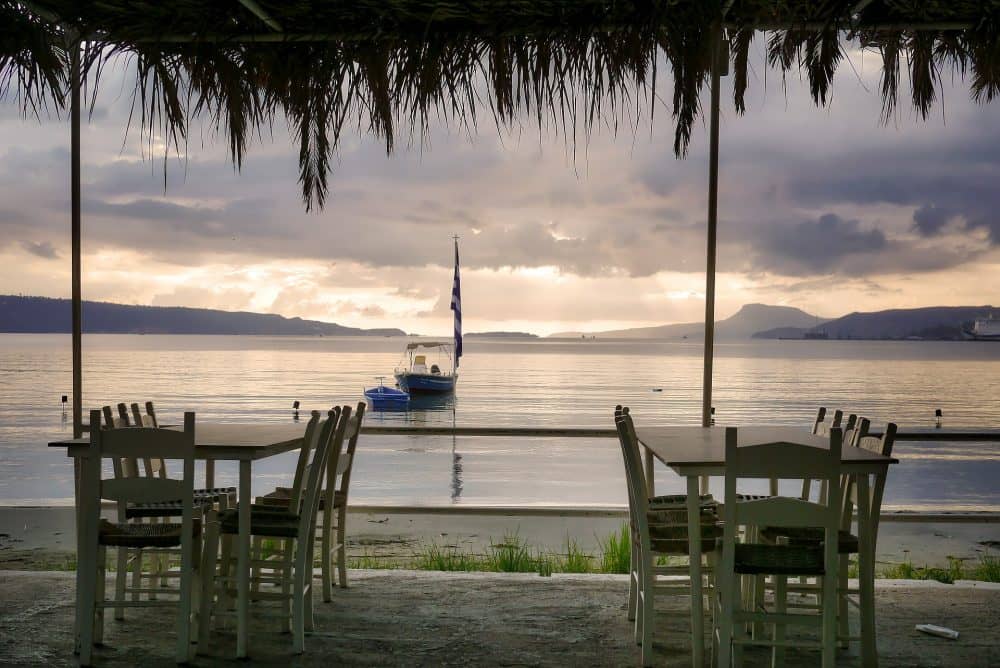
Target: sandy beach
[[33, 538]]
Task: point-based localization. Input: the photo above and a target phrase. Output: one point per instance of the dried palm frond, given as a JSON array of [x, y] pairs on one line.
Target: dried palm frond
[[392, 67]]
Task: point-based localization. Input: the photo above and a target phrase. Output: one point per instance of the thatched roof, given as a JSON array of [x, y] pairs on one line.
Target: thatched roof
[[383, 65]]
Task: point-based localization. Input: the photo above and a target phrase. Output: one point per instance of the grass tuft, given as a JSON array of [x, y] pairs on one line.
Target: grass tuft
[[576, 560], [616, 556], [511, 556]]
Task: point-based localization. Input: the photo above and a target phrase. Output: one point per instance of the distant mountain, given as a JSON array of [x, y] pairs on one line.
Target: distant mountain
[[44, 315], [935, 322], [749, 320], [501, 335]]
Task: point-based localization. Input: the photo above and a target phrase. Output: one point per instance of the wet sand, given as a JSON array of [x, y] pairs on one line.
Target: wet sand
[[34, 538]]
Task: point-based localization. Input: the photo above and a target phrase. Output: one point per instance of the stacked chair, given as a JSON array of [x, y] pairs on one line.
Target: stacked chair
[[658, 529], [856, 434], [97, 534], [333, 526], [149, 577], [749, 558], [285, 576]]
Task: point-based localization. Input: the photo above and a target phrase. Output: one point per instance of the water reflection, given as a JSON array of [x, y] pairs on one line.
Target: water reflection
[[456, 473]]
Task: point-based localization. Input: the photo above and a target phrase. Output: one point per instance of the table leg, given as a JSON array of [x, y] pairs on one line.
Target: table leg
[[866, 574], [243, 563], [650, 482], [209, 474], [77, 500], [694, 550]]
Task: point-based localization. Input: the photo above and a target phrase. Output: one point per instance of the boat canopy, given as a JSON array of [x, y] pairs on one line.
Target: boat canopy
[[427, 344]]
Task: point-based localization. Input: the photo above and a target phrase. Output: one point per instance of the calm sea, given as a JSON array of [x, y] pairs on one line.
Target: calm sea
[[515, 383]]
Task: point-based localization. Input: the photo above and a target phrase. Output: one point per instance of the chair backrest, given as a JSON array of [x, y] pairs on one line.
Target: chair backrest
[[341, 461], [135, 443], [785, 461], [881, 445], [309, 442], [635, 479], [154, 466], [124, 467], [330, 436], [822, 428]]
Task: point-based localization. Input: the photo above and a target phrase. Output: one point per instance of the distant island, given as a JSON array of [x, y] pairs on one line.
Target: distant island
[[501, 335], [933, 323], [42, 315], [763, 321]]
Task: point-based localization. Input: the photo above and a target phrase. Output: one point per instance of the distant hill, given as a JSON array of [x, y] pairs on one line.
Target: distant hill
[[44, 315], [935, 322], [501, 335], [743, 324]]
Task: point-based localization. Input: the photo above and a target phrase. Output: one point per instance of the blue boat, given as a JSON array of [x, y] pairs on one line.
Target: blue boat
[[416, 376], [382, 397]]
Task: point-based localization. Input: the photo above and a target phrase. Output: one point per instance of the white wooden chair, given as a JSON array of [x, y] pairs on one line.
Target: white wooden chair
[[786, 461], [150, 566], [295, 527], [97, 534], [659, 528], [333, 525], [847, 542]]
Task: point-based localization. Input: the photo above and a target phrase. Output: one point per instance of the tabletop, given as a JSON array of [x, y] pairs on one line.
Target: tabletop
[[687, 448], [218, 441]]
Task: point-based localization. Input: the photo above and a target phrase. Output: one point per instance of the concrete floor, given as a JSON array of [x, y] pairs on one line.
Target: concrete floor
[[406, 618]]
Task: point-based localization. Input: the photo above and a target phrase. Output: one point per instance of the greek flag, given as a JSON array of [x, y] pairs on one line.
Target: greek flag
[[456, 306]]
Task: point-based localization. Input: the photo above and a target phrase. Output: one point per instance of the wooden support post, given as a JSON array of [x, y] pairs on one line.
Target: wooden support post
[[75, 233], [713, 211]]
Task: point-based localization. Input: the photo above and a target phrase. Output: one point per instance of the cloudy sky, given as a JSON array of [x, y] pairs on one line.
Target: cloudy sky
[[823, 209]]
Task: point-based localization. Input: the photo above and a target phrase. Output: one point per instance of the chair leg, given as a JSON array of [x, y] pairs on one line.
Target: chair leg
[[86, 599], [632, 586], [209, 559], [300, 573], [226, 602], [780, 607], [342, 546], [183, 649], [121, 579], [830, 602], [843, 619], [326, 549], [728, 595], [136, 574], [287, 575], [100, 595]]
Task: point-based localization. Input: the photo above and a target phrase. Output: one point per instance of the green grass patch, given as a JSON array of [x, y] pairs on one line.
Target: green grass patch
[[435, 558], [616, 551], [511, 555], [576, 560]]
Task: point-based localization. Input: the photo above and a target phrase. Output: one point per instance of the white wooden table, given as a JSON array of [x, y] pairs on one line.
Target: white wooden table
[[697, 452], [245, 443]]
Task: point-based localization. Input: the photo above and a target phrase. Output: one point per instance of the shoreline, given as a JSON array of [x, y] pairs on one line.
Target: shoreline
[[43, 538]]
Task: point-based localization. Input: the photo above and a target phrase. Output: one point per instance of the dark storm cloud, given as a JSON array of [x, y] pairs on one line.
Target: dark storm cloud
[[929, 220], [807, 247], [941, 181], [42, 249]]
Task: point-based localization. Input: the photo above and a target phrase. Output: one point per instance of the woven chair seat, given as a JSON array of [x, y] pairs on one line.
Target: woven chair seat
[[131, 534], [680, 517], [203, 499], [263, 522], [753, 497], [680, 547], [679, 501], [757, 559], [847, 543], [282, 496]]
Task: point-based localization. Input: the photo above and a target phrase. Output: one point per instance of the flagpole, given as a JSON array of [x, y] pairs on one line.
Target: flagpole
[[456, 306]]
